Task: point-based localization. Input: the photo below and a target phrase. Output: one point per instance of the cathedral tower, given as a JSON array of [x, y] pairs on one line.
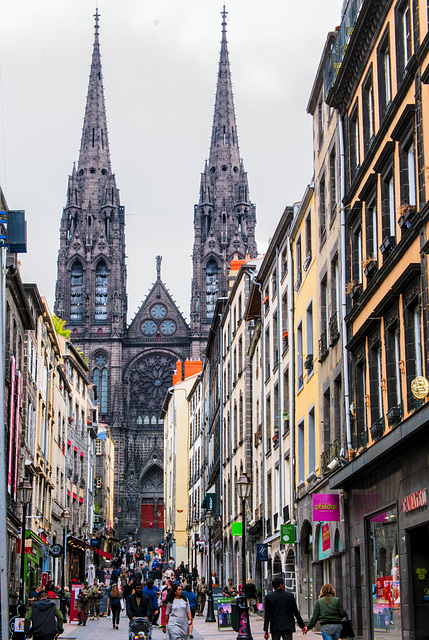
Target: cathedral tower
[[91, 282], [224, 218]]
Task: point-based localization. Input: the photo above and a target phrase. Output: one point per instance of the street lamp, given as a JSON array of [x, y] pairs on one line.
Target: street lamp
[[64, 519], [244, 486], [210, 612], [25, 491], [195, 529]]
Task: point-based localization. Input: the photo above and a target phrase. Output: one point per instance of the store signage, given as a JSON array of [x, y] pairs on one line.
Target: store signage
[[326, 507], [326, 537], [415, 500], [287, 533], [236, 529], [262, 552]]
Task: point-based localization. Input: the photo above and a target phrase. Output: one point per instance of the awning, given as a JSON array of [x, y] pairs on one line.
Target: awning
[[104, 554]]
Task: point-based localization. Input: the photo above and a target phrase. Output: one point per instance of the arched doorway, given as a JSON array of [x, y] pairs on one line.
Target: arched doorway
[[277, 566], [152, 506], [290, 572], [306, 578]]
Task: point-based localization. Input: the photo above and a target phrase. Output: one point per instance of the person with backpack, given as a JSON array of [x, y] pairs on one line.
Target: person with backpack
[[43, 619]]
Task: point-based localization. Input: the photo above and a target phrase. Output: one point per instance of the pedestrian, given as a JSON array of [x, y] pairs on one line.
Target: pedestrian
[[114, 603], [192, 598], [123, 578], [202, 591], [101, 575], [178, 619], [330, 612], [152, 593], [138, 604], [164, 599], [251, 595], [82, 604], [194, 576], [280, 613], [43, 619], [115, 575], [95, 595], [229, 590]]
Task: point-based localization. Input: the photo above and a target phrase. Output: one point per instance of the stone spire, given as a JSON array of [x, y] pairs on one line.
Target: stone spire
[[94, 156], [225, 217]]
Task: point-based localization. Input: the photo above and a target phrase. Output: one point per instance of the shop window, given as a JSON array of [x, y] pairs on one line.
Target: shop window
[[384, 578]]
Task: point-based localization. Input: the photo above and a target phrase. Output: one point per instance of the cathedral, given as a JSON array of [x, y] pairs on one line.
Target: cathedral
[[131, 366]]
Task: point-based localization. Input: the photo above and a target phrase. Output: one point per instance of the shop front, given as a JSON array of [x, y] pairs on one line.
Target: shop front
[[386, 510]]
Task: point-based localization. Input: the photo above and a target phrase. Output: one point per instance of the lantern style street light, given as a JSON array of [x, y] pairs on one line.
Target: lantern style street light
[[244, 487], [210, 611], [85, 530], [25, 492], [64, 519]]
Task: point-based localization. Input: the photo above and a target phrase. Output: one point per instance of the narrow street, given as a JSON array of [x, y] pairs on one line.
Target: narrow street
[[102, 630]]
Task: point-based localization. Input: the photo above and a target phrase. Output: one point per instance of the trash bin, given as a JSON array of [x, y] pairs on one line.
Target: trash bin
[[235, 615]]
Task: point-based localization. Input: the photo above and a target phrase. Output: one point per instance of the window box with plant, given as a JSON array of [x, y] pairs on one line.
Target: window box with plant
[[377, 429], [370, 266], [388, 244], [353, 289]]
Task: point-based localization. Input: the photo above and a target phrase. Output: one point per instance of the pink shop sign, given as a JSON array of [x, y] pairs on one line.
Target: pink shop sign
[[326, 507]]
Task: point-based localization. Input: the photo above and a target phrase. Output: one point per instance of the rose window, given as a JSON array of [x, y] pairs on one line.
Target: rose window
[[149, 380]]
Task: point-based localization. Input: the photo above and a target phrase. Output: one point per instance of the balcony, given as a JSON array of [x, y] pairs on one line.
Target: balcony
[[334, 333], [333, 451], [323, 346]]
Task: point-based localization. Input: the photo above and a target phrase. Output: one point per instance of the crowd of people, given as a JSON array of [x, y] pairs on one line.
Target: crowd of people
[[170, 596]]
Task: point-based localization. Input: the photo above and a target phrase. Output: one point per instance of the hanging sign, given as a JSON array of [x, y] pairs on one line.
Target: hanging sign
[[261, 552], [326, 507], [287, 533]]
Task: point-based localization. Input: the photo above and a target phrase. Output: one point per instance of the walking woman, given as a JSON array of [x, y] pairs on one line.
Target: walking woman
[[178, 617], [115, 605], [329, 611]]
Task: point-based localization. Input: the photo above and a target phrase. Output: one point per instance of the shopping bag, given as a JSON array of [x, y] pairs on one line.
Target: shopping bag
[[347, 630]]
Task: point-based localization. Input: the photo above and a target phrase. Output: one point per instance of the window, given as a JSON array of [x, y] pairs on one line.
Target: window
[[375, 379], [337, 400], [413, 342], [324, 317], [354, 142], [368, 112], [357, 256], [98, 447], [267, 353], [311, 442], [371, 228], [393, 358], [268, 421], [388, 205], [360, 402], [301, 452], [212, 288], [76, 292], [322, 209], [101, 292], [407, 160], [299, 357], [308, 252], [320, 119], [384, 76], [404, 38], [298, 252], [309, 362], [275, 341], [334, 320], [327, 419]]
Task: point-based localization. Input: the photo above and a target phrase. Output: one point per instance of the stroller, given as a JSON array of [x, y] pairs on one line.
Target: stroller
[[140, 629]]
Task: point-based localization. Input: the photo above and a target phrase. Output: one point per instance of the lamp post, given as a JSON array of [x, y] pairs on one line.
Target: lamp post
[[64, 519], [195, 529], [244, 486], [210, 612], [25, 491]]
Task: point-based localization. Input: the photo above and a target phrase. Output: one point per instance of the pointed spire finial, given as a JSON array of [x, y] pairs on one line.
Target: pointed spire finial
[[224, 13], [158, 267], [97, 18]]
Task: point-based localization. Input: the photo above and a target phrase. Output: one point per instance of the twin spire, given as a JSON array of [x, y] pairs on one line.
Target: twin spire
[[94, 156]]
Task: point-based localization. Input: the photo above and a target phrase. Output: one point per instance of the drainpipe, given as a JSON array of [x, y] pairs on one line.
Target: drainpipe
[[262, 357], [4, 560], [291, 337], [343, 287], [279, 382], [229, 426], [220, 373]]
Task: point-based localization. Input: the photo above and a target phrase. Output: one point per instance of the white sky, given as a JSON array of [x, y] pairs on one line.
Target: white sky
[[160, 61]]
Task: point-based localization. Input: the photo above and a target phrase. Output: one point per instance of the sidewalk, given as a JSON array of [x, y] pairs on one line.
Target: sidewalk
[[102, 630]]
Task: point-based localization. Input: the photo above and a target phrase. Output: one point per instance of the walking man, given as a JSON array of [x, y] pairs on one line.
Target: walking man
[[280, 613], [43, 620]]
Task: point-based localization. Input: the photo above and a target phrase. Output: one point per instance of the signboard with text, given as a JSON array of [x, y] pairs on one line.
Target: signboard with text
[[287, 533], [326, 507]]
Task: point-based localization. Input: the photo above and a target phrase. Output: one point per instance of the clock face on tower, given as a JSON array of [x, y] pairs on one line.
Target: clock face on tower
[[158, 311], [148, 327], [168, 327]]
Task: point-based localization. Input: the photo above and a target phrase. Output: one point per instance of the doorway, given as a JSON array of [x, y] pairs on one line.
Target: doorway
[[419, 554]]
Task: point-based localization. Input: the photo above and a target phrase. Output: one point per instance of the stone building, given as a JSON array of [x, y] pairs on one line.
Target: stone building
[[224, 218], [131, 367]]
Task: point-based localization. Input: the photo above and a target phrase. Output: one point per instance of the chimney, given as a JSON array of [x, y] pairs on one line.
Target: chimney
[[192, 367], [177, 375]]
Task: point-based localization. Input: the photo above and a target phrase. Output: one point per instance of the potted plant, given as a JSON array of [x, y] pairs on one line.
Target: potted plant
[[369, 265], [353, 289]]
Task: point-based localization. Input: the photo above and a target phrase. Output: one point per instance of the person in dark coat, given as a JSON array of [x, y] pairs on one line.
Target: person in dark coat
[[280, 613], [138, 604], [43, 619]]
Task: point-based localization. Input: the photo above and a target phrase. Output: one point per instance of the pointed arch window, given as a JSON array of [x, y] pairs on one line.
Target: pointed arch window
[[100, 380], [101, 286], [212, 287], [139, 420], [76, 292]]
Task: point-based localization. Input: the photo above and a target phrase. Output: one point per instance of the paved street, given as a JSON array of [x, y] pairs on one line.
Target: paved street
[[102, 630]]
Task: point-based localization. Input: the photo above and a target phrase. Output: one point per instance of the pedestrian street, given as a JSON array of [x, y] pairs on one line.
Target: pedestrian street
[[102, 630]]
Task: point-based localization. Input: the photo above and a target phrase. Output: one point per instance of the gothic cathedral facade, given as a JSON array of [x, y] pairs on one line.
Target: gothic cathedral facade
[[131, 366]]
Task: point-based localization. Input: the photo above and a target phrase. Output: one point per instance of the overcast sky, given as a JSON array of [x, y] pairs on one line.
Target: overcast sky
[[160, 61]]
